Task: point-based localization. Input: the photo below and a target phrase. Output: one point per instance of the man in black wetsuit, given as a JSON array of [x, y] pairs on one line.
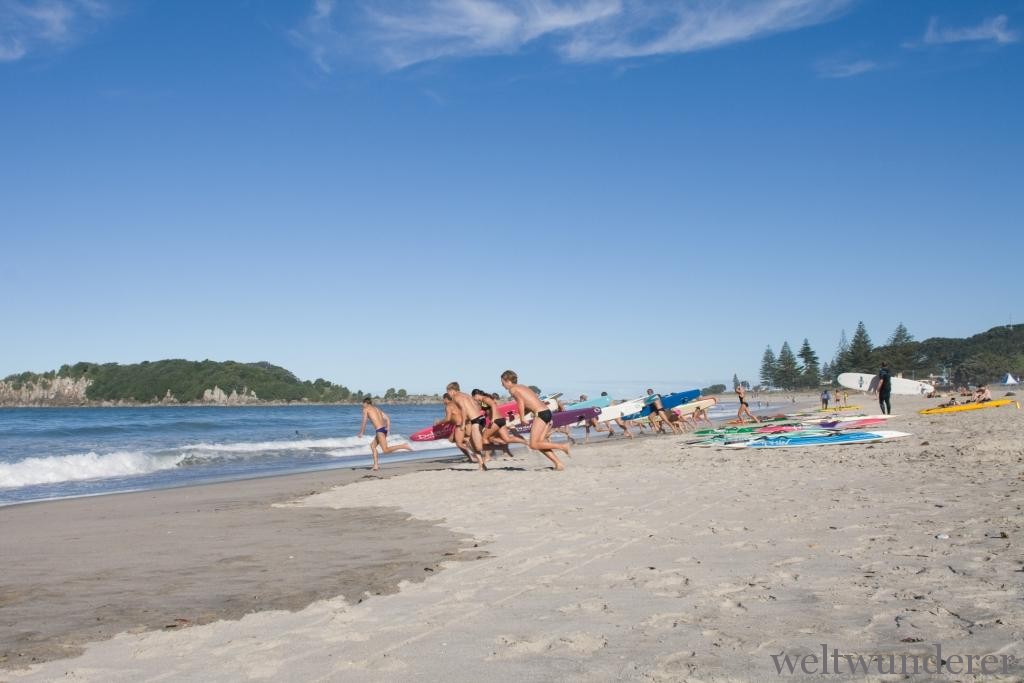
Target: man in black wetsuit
[[885, 389]]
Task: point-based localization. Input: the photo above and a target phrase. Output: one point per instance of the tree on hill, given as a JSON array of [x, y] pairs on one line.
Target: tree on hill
[[811, 373], [900, 351], [735, 381], [769, 368], [788, 374], [826, 372], [713, 389], [859, 357]]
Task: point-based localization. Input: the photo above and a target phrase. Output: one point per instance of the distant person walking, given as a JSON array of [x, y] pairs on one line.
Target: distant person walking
[[885, 389], [825, 398], [382, 423]]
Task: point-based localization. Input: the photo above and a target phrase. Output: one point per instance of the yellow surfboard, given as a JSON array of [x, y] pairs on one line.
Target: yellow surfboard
[[967, 406]]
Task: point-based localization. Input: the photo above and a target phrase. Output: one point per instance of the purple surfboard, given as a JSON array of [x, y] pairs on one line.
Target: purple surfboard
[[566, 417]]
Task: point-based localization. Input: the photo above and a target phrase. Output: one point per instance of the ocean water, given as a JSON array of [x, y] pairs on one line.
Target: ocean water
[[49, 453]]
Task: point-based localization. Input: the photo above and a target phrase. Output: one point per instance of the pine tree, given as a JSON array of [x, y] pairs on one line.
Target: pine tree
[[900, 350], [900, 336], [826, 372], [788, 372], [768, 368], [840, 360], [811, 373], [735, 381], [860, 358]]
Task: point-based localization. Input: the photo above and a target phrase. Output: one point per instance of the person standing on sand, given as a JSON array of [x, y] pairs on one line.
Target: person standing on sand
[[885, 389], [825, 398], [382, 423], [741, 394], [474, 420], [846, 398], [529, 402]]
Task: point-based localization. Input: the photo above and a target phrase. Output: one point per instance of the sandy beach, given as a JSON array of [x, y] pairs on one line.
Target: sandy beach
[[645, 560]]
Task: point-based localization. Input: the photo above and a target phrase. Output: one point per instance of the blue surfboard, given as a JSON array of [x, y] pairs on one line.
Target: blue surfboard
[[668, 401]]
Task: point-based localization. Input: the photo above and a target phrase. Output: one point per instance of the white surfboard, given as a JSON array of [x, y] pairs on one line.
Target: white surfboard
[[692, 406], [619, 409], [861, 381]]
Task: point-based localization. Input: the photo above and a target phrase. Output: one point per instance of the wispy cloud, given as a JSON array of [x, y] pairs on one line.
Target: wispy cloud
[[995, 29], [847, 69], [27, 26], [399, 33]]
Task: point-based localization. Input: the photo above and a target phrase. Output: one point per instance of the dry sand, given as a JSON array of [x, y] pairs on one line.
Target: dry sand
[[652, 561]]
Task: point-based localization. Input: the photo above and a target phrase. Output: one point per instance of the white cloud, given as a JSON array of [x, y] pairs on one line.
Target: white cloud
[[832, 69], [995, 29], [30, 25], [399, 33]]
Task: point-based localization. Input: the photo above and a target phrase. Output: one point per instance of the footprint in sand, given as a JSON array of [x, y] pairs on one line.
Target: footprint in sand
[[574, 643], [592, 606]]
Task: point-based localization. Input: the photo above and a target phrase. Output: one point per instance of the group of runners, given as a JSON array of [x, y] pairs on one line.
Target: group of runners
[[479, 426]]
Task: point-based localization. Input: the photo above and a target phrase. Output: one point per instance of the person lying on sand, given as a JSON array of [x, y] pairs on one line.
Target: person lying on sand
[[529, 402], [382, 423]]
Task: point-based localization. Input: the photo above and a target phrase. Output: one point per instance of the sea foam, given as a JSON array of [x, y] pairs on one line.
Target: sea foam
[[81, 466]]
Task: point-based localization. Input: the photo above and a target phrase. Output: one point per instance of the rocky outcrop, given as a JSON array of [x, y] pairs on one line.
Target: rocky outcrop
[[59, 391], [216, 396]]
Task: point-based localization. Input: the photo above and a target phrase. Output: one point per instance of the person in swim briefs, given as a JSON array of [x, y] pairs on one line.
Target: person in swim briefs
[[498, 429], [382, 423], [452, 415], [527, 401], [741, 394], [659, 417], [475, 421]]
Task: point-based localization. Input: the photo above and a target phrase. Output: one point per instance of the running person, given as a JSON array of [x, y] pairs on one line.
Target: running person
[[744, 409], [382, 423], [529, 402], [498, 429], [475, 420], [659, 416], [452, 415]]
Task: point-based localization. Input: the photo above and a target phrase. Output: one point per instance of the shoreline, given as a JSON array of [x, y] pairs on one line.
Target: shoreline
[[421, 455]]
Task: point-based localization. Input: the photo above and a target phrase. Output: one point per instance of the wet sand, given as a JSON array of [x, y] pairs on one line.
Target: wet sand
[[83, 570]]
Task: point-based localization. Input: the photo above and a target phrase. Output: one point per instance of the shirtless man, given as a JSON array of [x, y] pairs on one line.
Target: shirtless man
[[382, 423], [474, 421], [741, 394], [498, 428], [529, 402], [453, 415]]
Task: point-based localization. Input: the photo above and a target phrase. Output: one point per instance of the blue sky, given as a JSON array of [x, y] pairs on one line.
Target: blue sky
[[596, 193]]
